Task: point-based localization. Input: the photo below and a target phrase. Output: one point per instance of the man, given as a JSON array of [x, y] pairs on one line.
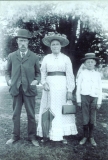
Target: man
[[22, 75]]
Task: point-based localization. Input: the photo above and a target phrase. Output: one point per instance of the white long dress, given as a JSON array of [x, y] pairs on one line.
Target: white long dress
[[62, 125]]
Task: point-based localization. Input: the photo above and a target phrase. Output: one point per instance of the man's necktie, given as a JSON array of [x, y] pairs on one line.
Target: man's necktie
[[23, 54]]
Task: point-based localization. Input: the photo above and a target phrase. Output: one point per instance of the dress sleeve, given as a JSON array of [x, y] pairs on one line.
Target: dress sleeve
[[43, 70], [70, 81], [37, 70]]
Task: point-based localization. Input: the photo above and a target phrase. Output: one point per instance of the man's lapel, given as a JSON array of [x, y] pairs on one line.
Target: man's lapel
[[18, 55], [25, 57]]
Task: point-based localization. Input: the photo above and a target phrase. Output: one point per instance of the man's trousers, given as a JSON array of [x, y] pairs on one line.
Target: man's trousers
[[29, 103]]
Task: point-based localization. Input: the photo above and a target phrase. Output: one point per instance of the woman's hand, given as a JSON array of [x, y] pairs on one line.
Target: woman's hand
[[9, 82], [46, 86], [79, 104], [98, 106], [69, 96]]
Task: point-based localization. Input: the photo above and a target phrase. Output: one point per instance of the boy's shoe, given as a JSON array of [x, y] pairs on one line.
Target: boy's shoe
[[92, 141], [83, 141]]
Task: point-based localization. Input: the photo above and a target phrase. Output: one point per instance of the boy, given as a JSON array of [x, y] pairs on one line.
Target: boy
[[89, 95]]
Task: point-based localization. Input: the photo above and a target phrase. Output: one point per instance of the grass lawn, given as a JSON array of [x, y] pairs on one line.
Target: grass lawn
[[24, 150]]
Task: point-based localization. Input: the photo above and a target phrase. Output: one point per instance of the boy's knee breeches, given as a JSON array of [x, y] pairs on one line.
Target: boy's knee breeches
[[88, 109]]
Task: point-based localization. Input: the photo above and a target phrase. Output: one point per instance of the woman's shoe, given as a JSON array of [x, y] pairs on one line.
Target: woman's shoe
[[45, 140], [65, 141]]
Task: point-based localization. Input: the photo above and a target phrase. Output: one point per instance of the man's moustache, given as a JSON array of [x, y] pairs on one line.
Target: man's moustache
[[23, 47]]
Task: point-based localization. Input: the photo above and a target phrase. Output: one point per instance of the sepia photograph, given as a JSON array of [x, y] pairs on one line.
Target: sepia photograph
[[54, 80]]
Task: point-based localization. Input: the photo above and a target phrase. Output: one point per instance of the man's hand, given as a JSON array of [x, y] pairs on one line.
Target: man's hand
[[79, 104], [46, 86], [9, 82], [69, 96], [98, 106], [34, 82]]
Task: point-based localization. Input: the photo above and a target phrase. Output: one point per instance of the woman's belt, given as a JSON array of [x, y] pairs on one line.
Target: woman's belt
[[58, 73]]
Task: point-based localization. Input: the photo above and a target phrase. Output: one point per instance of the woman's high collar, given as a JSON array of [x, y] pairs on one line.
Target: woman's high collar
[[56, 55]]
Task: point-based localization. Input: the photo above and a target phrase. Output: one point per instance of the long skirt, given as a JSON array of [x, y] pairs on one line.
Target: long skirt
[[62, 125]]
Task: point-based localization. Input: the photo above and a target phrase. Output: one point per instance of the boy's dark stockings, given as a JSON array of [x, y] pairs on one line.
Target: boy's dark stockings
[[91, 129]]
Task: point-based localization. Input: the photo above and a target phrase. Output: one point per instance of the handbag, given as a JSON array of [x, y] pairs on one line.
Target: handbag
[[69, 108]]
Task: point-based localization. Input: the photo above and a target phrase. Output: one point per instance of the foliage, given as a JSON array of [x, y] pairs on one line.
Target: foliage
[[85, 30]]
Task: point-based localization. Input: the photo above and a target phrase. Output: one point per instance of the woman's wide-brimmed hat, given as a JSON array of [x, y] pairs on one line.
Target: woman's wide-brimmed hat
[[90, 56], [55, 36], [23, 33]]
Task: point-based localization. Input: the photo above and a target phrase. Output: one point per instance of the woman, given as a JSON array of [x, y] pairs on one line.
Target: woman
[[58, 83]]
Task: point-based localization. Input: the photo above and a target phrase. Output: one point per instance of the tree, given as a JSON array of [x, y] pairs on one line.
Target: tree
[[84, 29]]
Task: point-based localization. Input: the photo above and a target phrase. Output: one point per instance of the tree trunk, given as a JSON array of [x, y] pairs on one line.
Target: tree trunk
[[74, 23]]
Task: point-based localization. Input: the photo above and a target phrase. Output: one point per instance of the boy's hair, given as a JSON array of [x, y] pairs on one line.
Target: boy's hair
[[90, 58]]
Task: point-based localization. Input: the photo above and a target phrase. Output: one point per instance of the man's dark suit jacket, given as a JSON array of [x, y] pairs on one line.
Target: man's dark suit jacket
[[22, 72]]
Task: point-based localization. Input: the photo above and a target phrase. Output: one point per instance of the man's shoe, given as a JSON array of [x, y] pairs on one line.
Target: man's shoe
[[92, 141], [11, 141], [83, 141], [35, 143]]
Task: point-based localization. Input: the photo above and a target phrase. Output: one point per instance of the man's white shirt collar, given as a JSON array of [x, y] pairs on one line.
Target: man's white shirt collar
[[23, 52]]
